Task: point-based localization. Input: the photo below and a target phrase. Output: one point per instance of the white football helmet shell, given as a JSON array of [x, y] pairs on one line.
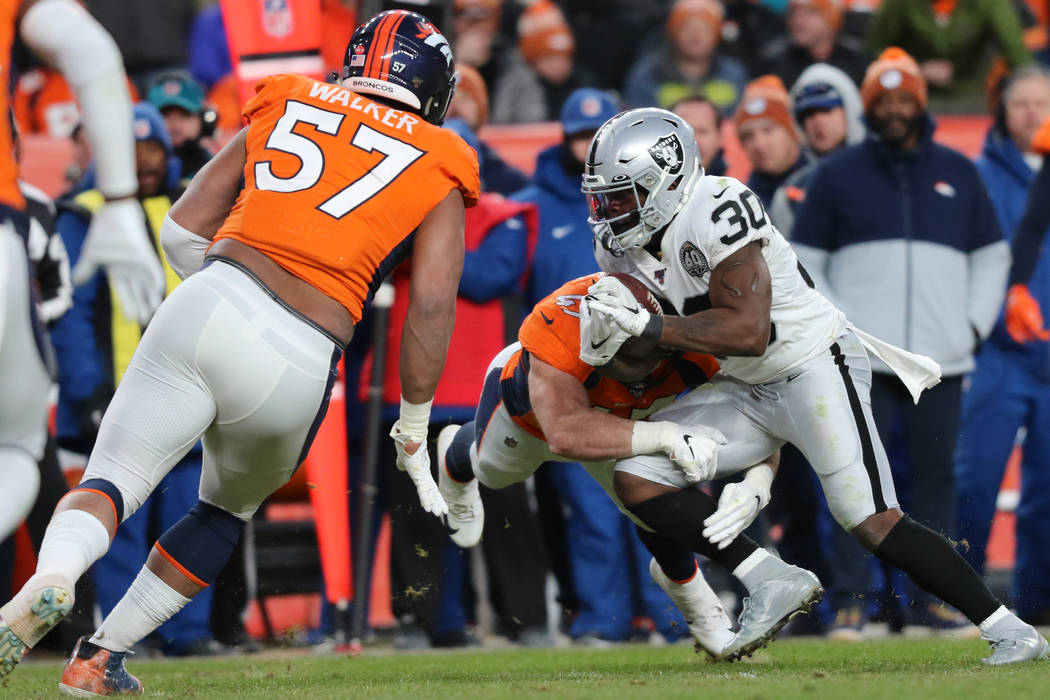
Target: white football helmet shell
[[641, 166]]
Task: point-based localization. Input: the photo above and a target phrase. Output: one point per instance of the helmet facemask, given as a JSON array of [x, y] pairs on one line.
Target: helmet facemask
[[623, 215]]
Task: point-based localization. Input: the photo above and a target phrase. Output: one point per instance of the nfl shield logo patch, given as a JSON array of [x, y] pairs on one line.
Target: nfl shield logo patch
[[277, 18]]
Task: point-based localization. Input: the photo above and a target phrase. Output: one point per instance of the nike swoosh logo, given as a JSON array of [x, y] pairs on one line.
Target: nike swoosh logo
[[559, 232], [722, 192], [793, 377], [548, 320], [688, 441], [453, 530], [595, 346], [633, 311]]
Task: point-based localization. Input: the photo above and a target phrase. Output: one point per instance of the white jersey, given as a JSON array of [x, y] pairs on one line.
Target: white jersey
[[721, 217]]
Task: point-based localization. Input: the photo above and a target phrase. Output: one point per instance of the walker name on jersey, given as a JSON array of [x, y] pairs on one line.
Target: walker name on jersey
[[387, 115]]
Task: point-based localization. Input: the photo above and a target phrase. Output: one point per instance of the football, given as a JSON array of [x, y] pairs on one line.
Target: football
[[637, 357]]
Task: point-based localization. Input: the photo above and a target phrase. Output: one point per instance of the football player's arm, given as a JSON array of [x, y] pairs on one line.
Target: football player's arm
[[737, 324], [64, 35], [572, 427], [576, 430], [195, 218]]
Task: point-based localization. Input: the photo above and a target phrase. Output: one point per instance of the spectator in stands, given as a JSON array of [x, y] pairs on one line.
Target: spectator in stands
[[769, 136], [94, 343], [498, 237], [702, 114], [541, 74], [43, 102], [949, 39], [749, 27], [688, 62], [478, 42], [1011, 387], [827, 108], [152, 36], [180, 100], [602, 545], [813, 36], [899, 232], [471, 104]]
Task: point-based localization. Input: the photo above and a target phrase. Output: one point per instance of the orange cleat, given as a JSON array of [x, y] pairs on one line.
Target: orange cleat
[[93, 671]]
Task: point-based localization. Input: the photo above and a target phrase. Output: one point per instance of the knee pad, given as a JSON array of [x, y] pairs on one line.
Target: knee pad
[[107, 489], [200, 544]]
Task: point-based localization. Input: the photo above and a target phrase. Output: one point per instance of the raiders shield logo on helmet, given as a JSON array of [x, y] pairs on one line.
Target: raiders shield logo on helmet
[[668, 153], [693, 260]]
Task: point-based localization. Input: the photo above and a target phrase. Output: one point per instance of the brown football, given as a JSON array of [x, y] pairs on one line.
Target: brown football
[[637, 357]]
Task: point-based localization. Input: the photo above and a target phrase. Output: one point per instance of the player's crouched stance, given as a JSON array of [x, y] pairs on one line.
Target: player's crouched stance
[[794, 369], [244, 352], [541, 403]]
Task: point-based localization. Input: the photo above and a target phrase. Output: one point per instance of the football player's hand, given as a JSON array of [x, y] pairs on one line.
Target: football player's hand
[[739, 506], [117, 240], [600, 335], [611, 298], [694, 450], [1024, 318], [413, 458]]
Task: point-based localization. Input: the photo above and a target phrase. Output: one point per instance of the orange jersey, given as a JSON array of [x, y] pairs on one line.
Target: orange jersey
[[335, 184], [552, 333], [9, 192]]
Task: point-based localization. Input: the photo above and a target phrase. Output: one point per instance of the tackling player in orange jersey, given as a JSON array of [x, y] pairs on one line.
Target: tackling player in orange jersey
[[341, 182], [542, 403]]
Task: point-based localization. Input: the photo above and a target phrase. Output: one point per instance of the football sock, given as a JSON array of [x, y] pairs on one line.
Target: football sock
[[73, 541], [759, 566], [19, 482], [146, 606], [936, 567], [677, 562], [457, 459], [679, 516]]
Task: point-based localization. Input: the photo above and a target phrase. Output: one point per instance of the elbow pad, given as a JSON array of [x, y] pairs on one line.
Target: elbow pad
[[183, 249], [67, 37]]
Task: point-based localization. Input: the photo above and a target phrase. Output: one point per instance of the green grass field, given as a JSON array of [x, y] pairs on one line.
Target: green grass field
[[892, 668]]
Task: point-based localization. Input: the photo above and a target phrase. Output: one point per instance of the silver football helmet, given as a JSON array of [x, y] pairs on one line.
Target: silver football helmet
[[640, 168]]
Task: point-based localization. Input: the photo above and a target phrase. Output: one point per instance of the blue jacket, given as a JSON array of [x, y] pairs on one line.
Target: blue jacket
[[1008, 177], [907, 245], [565, 247]]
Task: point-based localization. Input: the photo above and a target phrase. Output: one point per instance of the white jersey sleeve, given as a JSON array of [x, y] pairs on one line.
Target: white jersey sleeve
[[734, 217]]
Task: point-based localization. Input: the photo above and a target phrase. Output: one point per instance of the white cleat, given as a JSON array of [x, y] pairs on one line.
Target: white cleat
[[466, 515], [24, 623], [709, 623], [771, 606], [1015, 644]]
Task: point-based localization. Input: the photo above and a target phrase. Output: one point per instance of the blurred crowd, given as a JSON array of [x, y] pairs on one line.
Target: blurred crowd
[[833, 102]]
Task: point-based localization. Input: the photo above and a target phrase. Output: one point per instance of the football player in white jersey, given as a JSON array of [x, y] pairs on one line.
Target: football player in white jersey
[[793, 368]]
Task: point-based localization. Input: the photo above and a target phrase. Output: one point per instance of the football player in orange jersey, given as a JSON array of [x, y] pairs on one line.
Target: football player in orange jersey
[[542, 403], [63, 34], [341, 182]]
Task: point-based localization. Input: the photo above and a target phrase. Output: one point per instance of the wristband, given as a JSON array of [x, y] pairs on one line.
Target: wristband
[[415, 419], [654, 328], [760, 477], [648, 438]]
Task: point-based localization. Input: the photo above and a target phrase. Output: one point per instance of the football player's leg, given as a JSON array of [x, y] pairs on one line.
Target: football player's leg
[[25, 382], [160, 409], [457, 452], [836, 432]]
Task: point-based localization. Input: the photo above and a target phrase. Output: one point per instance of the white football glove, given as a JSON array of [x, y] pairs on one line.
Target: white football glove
[[694, 450], [417, 465], [739, 506], [609, 297], [117, 240], [600, 336]]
